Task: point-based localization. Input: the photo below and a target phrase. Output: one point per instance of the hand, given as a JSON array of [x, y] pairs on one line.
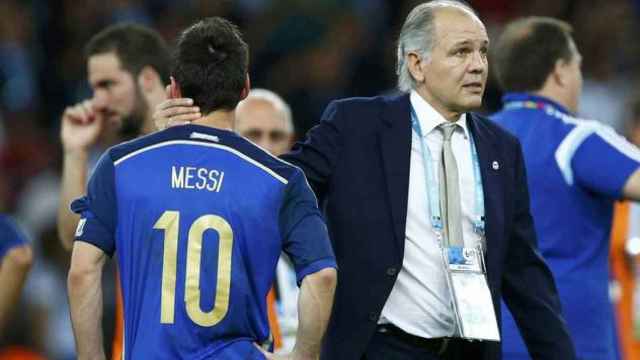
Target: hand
[[178, 111], [81, 127]]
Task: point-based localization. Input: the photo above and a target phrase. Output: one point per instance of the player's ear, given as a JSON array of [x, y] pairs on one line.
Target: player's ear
[[247, 87], [148, 80], [560, 72], [174, 89]]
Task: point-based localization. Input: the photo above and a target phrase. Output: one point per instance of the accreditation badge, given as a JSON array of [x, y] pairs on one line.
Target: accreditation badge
[[472, 299]]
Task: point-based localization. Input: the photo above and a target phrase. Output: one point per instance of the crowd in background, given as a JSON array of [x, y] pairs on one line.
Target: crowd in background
[[310, 52]]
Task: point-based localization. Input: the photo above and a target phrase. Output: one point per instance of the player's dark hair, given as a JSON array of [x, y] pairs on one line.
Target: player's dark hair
[[210, 64], [135, 46], [527, 52]]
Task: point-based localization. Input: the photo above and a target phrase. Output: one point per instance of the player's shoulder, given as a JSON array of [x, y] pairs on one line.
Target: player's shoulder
[[131, 147], [571, 122], [489, 127], [7, 224], [11, 232], [208, 137], [285, 170]]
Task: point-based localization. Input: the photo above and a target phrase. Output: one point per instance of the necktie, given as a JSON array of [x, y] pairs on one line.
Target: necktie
[[449, 189]]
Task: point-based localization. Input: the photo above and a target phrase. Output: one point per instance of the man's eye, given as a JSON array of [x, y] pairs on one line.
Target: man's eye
[[104, 84], [277, 136], [253, 134]]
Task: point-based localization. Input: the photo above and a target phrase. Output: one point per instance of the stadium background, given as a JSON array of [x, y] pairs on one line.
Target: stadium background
[[309, 51]]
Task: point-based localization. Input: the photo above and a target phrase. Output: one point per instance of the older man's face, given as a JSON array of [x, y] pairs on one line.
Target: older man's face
[[455, 73], [259, 121]]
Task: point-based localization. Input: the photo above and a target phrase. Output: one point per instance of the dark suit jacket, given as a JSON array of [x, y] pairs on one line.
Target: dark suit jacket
[[357, 161]]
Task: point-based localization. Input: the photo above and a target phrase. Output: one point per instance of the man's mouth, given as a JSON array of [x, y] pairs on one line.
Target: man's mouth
[[473, 86], [112, 117]]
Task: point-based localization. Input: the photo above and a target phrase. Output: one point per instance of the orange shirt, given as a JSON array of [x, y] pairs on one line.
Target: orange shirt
[[623, 273], [19, 353]]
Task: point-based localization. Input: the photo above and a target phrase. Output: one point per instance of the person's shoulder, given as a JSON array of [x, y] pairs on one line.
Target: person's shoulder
[[7, 224], [11, 233], [374, 102], [492, 129], [278, 168], [573, 122], [129, 147]]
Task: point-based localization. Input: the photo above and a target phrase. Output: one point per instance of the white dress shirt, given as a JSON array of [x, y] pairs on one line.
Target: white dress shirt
[[420, 301]]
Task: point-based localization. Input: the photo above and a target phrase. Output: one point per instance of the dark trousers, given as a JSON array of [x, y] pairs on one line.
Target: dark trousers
[[397, 345]]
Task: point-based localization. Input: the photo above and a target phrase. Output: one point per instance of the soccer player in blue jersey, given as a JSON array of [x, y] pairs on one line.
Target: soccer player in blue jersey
[[576, 169], [198, 216], [15, 262]]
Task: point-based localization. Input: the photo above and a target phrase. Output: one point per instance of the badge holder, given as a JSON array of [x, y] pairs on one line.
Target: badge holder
[[472, 302]]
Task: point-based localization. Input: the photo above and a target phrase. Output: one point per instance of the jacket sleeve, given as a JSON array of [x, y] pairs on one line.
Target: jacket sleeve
[[318, 153], [528, 287]]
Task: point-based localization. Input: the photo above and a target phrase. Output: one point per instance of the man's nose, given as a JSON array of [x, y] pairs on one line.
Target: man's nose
[[265, 143], [100, 99], [478, 62]]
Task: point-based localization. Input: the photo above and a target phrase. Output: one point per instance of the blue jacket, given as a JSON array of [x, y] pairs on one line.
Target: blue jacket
[[577, 168]]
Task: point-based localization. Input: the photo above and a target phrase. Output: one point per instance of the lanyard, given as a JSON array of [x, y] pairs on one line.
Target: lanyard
[[432, 190]]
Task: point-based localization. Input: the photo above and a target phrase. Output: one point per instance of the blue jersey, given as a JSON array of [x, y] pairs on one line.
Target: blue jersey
[[10, 236], [575, 169], [198, 217]]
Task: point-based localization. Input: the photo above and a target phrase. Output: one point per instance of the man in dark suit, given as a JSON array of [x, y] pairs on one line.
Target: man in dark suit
[[367, 167]]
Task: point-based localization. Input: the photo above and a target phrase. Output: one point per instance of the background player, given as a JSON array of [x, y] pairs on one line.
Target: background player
[[128, 68], [208, 205]]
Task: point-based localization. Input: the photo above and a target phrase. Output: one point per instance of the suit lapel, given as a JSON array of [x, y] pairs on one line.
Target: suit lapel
[[491, 168], [395, 148]]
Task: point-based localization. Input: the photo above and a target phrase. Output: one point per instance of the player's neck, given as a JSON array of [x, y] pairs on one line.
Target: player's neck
[[219, 119], [148, 126]]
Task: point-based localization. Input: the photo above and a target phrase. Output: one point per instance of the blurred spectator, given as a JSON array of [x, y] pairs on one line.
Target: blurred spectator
[[19, 86], [606, 72], [128, 69], [264, 118]]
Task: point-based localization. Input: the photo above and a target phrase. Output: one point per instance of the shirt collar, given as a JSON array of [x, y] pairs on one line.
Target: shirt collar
[[429, 118], [512, 97]]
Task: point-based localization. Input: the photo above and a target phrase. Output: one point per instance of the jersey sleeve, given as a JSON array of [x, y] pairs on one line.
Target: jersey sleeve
[[604, 161], [304, 233], [10, 236], [97, 209]]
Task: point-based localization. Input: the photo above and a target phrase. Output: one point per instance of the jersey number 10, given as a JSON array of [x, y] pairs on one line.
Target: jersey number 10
[[170, 223]]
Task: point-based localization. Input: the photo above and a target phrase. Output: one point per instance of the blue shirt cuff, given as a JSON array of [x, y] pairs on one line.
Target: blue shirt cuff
[[314, 267]]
